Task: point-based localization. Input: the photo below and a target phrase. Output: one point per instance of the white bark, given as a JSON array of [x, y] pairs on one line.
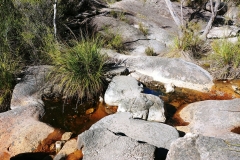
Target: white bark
[[214, 11], [54, 18], [173, 14]]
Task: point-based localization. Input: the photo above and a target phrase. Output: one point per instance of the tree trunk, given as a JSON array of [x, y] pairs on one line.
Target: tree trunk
[[214, 11]]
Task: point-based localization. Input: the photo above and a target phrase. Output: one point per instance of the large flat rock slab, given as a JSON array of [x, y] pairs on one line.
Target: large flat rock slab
[[199, 147], [102, 144], [157, 134], [173, 71], [214, 118]]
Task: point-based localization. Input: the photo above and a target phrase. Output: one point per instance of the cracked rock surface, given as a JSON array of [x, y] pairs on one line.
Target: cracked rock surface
[[157, 134], [100, 143], [199, 147]]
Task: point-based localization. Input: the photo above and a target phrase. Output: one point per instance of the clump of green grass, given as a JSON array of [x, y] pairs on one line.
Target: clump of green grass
[[143, 29], [119, 15], [80, 69], [227, 51], [189, 40], [113, 41], [116, 42], [149, 51]]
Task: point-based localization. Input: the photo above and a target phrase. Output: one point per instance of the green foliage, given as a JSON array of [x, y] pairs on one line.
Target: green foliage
[[119, 15], [227, 51], [80, 69], [116, 42], [190, 40], [149, 51], [9, 66], [143, 29], [113, 41]]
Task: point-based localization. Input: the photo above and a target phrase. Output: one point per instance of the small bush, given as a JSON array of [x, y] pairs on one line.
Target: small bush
[[80, 69], [9, 66], [149, 51], [143, 29], [190, 40], [228, 51], [113, 41]]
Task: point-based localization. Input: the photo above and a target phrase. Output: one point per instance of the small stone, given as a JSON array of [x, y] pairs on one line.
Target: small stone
[[90, 111], [66, 136]]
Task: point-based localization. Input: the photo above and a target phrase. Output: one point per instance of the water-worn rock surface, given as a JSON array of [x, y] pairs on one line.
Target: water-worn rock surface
[[173, 71], [157, 134], [29, 91], [20, 130], [103, 144], [125, 92], [215, 118], [199, 147]]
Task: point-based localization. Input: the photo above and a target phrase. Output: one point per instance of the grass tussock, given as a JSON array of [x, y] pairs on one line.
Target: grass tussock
[[189, 41], [227, 51], [149, 51], [80, 69], [143, 29]]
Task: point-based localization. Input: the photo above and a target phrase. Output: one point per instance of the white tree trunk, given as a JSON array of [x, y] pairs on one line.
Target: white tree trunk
[[214, 11], [54, 18], [173, 14]]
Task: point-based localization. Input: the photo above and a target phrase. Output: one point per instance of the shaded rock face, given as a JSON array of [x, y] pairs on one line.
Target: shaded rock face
[[103, 144], [201, 148], [125, 92], [212, 118], [157, 134]]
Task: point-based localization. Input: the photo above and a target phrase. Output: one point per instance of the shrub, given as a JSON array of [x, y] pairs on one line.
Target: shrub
[[80, 69], [228, 51], [143, 29], [9, 66], [190, 40], [149, 51]]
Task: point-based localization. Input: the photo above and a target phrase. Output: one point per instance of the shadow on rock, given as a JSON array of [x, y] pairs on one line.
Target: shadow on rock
[[160, 153], [32, 156]]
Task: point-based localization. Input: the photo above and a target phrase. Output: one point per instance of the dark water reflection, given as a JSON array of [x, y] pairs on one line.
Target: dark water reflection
[[73, 119]]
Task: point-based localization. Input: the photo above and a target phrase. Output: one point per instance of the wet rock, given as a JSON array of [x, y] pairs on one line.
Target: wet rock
[[20, 130], [157, 134], [125, 92], [66, 136], [215, 118], [68, 148], [103, 144], [200, 147]]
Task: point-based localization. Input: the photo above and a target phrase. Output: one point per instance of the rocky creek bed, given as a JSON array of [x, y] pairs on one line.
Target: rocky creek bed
[[195, 117], [145, 125]]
